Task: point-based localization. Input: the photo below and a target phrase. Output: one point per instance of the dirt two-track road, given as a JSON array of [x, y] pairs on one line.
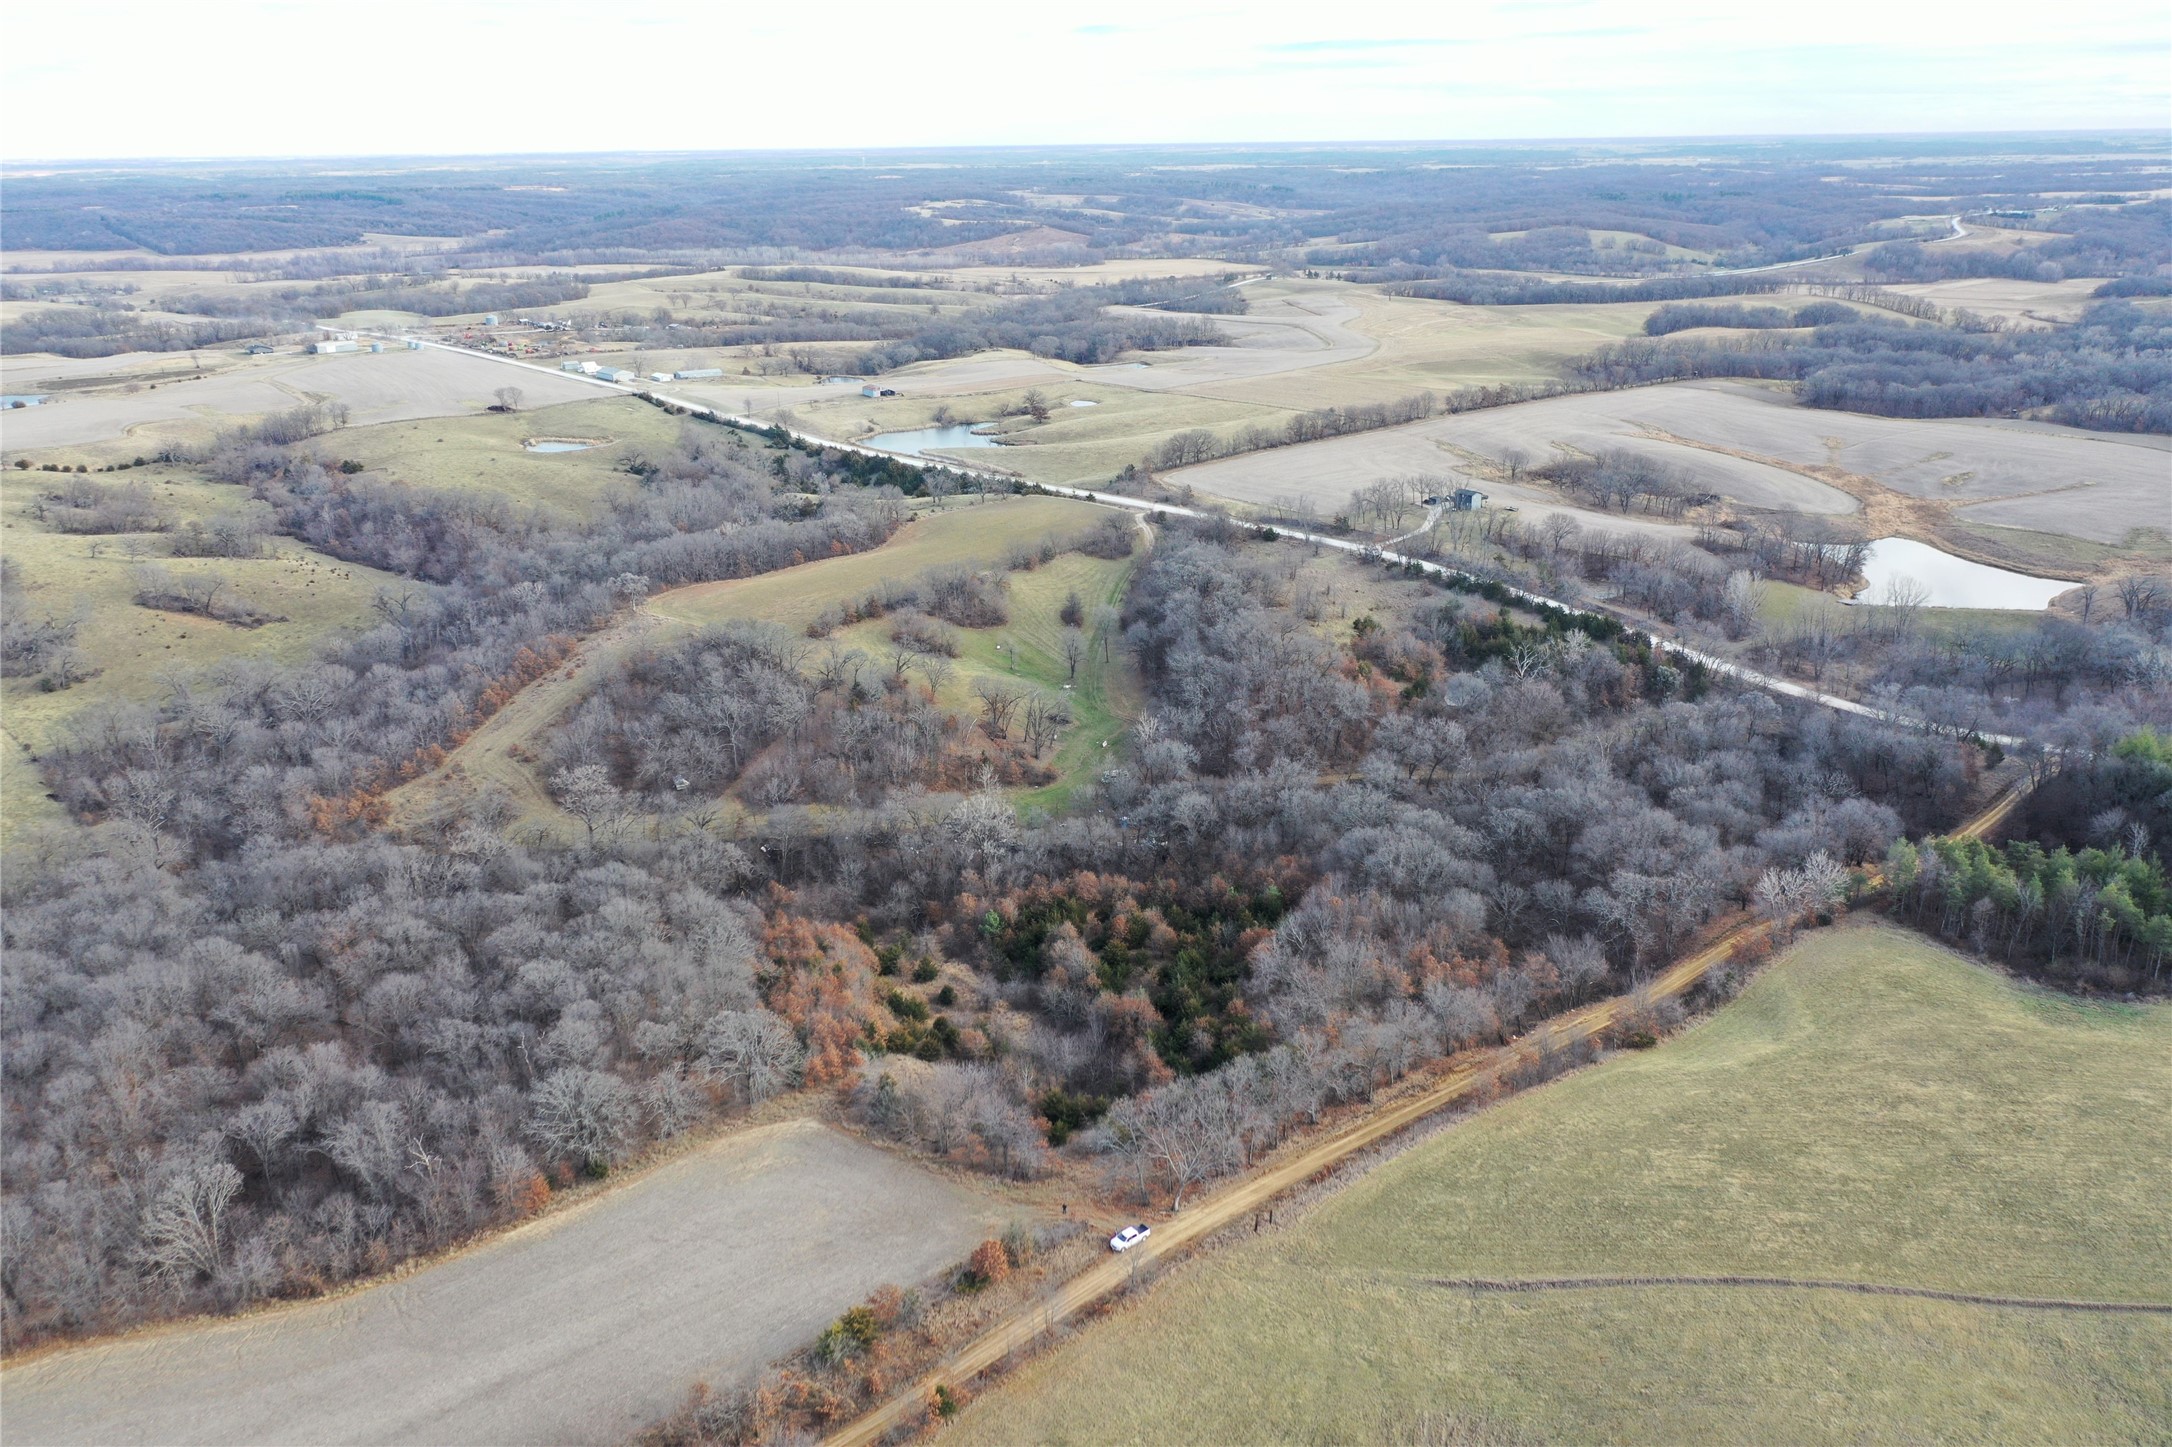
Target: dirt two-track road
[[1232, 1205]]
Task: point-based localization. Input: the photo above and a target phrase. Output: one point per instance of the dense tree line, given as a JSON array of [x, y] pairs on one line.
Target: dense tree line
[[108, 331], [2097, 240], [749, 709], [496, 592], [285, 307], [1681, 316], [2096, 903], [830, 276], [1484, 289], [236, 313], [2111, 370], [2072, 682]]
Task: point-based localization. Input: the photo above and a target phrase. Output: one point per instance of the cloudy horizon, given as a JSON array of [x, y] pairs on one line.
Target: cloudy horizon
[[266, 78]]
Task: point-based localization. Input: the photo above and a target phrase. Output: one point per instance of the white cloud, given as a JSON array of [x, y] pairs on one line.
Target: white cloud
[[448, 77]]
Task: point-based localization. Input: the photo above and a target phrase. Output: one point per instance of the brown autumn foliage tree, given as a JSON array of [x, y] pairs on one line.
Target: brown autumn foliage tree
[[823, 986], [989, 1263]]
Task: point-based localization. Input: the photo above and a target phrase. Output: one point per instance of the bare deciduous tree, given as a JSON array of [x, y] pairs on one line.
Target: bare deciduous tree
[[999, 702], [1045, 719], [588, 1115], [754, 1051], [586, 792], [182, 1234]]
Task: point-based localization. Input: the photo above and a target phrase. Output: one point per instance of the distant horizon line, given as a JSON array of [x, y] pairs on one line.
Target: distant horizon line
[[2108, 131]]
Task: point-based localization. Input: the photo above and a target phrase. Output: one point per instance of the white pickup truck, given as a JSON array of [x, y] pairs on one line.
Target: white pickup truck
[[1129, 1237]]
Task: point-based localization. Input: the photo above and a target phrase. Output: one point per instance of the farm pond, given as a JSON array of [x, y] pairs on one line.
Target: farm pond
[[919, 441], [1951, 582]]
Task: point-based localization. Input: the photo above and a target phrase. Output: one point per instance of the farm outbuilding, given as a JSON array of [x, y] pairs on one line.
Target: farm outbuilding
[[696, 374], [1466, 499], [322, 348], [616, 374], [871, 390]]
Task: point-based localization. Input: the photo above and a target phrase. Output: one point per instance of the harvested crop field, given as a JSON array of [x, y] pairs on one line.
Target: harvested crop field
[[581, 1327], [2098, 486], [1998, 296], [378, 387], [1419, 344], [1873, 1110]]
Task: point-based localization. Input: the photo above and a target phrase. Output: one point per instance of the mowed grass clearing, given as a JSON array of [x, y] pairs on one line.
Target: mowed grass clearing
[[973, 534], [1027, 652], [1873, 1109]]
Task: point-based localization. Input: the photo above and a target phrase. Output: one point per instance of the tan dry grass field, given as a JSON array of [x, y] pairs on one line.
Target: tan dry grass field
[[484, 452], [104, 423], [138, 651], [1431, 345], [1873, 1109], [580, 1327], [25, 807]]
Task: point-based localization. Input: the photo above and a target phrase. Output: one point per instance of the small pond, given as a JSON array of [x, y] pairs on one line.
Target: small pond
[[23, 399], [560, 444], [920, 440], [1082, 402], [1953, 582]]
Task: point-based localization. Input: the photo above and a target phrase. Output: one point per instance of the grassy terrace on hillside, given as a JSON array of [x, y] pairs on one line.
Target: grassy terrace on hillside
[[973, 534], [1873, 1109], [1029, 649], [140, 652], [979, 535]]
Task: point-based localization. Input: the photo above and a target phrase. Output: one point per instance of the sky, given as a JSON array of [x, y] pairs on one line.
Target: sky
[[99, 79]]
